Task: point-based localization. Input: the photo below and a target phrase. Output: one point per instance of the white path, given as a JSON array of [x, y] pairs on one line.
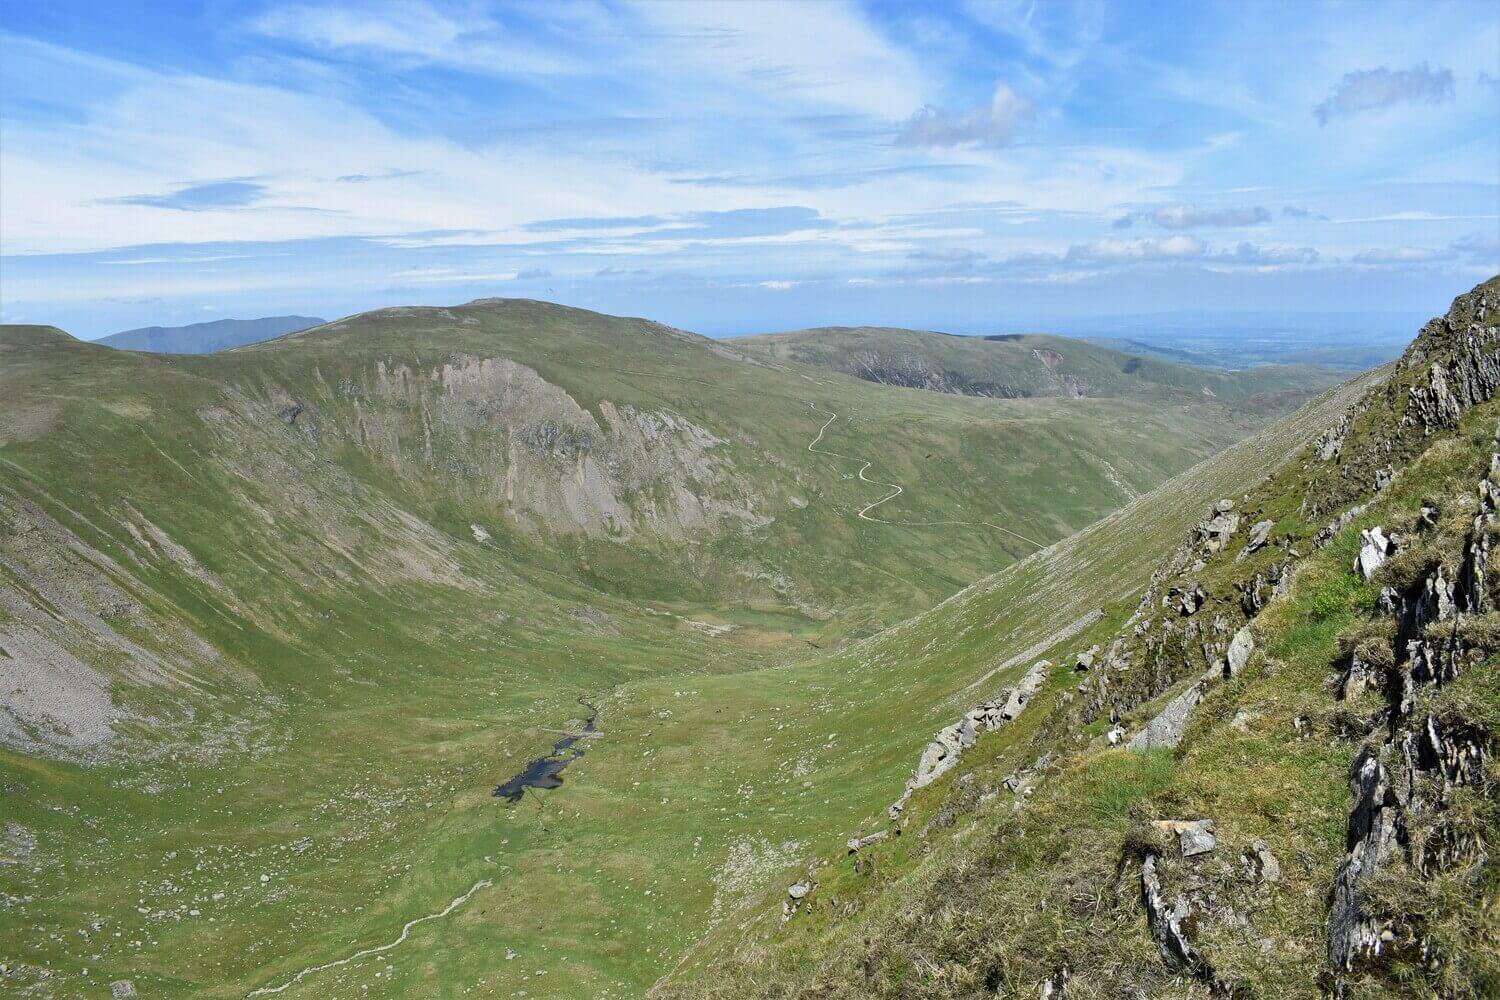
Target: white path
[[483, 883], [896, 490]]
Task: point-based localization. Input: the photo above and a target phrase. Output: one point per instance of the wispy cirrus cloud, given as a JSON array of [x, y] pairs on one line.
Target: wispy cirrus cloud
[[1379, 88], [1189, 216], [198, 197]]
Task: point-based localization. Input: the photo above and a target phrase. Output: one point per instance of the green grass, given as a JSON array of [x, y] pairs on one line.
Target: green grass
[[1004, 893], [341, 673]]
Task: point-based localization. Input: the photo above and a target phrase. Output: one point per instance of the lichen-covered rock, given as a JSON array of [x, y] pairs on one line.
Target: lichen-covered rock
[[1166, 728]]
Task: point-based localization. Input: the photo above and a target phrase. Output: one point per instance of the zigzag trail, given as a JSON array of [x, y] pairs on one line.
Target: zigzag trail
[[896, 490], [483, 883]]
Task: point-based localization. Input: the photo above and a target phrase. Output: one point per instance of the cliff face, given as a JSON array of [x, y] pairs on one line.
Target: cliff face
[[1274, 777]]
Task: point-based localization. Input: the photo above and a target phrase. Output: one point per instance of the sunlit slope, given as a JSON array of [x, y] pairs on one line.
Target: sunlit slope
[[909, 681], [1274, 776], [1027, 365], [294, 610]]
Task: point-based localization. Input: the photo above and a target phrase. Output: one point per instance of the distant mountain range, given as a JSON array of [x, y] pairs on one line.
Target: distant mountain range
[[205, 338]]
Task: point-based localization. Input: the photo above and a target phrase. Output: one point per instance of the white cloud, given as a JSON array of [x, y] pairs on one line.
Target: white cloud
[[415, 32], [1374, 89], [1110, 249], [825, 54], [436, 275], [1401, 255], [992, 124], [1191, 216]]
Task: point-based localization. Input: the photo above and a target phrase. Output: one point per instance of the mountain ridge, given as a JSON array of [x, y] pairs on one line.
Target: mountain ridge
[[206, 337], [1021, 365]]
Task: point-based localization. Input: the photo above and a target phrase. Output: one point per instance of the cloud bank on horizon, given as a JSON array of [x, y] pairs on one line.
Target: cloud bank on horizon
[[745, 165]]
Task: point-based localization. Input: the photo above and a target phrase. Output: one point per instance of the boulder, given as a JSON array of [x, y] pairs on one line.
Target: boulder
[[1167, 727], [857, 844], [1194, 836], [1240, 648], [1374, 549], [121, 989], [797, 890], [1260, 533]]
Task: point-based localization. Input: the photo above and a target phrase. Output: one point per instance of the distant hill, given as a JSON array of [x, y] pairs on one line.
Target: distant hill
[[205, 338], [1020, 366]]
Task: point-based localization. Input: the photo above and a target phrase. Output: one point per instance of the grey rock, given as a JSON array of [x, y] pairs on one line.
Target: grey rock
[[1167, 727], [1197, 839], [857, 844], [939, 756], [1374, 549], [1194, 836], [1262, 862], [1372, 835], [122, 988], [1240, 648], [1260, 533], [798, 890], [1166, 921]]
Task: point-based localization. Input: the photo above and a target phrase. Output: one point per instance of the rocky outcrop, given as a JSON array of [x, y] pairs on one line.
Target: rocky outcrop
[[912, 371], [943, 752], [1402, 786]]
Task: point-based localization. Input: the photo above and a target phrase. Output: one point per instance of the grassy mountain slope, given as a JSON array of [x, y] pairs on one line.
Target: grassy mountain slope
[[204, 338], [274, 623], [1274, 777], [1024, 365]]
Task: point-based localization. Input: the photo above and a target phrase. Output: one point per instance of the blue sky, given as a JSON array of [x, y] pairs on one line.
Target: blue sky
[[744, 166]]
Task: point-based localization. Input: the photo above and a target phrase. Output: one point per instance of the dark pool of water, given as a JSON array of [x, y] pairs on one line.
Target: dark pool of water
[[546, 772]]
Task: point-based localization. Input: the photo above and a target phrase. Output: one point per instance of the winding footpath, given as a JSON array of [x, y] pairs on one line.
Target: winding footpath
[[896, 490], [483, 883]]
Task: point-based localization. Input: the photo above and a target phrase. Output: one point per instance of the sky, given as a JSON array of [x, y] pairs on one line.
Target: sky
[[745, 166]]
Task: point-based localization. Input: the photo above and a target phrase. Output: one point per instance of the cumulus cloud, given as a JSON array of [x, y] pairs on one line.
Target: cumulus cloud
[[1374, 89], [1111, 249], [993, 124], [1255, 255], [1192, 217]]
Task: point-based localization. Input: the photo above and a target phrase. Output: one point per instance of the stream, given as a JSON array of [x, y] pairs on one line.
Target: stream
[[546, 772]]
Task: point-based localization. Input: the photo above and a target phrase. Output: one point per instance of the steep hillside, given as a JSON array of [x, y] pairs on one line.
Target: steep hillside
[[276, 622], [1013, 366], [1268, 770], [205, 338]]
